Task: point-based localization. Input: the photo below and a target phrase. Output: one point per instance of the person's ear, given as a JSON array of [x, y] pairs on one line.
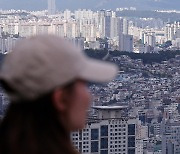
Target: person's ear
[[58, 100]]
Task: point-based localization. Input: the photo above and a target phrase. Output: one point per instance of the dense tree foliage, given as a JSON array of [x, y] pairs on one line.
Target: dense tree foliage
[[97, 54], [166, 44], [147, 58]]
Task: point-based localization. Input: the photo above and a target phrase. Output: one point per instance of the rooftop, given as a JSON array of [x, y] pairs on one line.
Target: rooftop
[[109, 107]]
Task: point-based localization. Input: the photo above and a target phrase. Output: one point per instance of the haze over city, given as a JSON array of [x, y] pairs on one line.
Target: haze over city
[[91, 4]]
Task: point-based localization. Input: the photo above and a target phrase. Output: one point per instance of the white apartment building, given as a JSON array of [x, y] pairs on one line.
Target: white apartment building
[[149, 39], [26, 29], [125, 43], [114, 27], [7, 43], [176, 43], [67, 15], [101, 21], [51, 7], [108, 133], [43, 28], [58, 29], [139, 147], [84, 14], [169, 32], [136, 32], [170, 137], [125, 26], [10, 27]]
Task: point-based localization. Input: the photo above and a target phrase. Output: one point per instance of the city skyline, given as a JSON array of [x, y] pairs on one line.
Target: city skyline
[[94, 29], [51, 7]]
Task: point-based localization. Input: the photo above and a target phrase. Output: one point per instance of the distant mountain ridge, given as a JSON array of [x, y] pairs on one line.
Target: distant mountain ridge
[[91, 4]]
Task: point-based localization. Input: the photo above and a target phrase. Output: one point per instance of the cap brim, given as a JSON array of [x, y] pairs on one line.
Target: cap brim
[[98, 71]]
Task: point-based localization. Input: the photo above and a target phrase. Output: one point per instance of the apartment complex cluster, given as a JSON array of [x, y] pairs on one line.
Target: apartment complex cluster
[[89, 29]]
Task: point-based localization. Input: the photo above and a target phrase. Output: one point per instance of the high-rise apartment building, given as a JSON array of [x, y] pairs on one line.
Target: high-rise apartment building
[[125, 43], [125, 26], [7, 43], [169, 32], [51, 7], [170, 137], [108, 133], [149, 39], [67, 14], [27, 29], [107, 26], [114, 27], [101, 21]]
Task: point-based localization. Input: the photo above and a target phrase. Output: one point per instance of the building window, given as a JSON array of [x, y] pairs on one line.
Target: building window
[[80, 146], [131, 129], [80, 135], [94, 134], [104, 130], [104, 151], [131, 151], [104, 143], [94, 146], [131, 141]]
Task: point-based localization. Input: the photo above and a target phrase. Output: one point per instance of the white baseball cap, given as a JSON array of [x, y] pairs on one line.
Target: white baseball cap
[[41, 63]]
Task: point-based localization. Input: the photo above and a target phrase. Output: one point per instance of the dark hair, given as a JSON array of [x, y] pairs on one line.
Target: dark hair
[[34, 128]]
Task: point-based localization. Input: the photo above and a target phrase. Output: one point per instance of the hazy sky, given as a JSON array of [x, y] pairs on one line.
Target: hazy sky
[[91, 4]]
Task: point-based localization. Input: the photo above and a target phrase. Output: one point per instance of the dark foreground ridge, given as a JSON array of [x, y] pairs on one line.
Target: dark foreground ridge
[[147, 58]]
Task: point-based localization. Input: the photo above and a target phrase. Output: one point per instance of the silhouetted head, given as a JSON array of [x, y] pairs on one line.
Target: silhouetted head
[[46, 79]]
